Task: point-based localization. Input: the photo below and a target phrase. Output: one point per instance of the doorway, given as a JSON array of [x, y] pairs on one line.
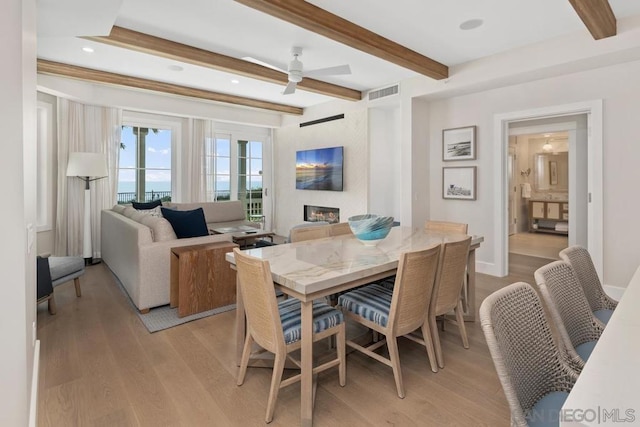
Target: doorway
[[538, 170], [585, 192]]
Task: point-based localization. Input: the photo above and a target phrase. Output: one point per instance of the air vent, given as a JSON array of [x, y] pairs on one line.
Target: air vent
[[384, 92]]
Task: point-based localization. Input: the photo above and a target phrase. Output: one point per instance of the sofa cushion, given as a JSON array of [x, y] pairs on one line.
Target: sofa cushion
[[129, 211], [187, 223], [118, 208], [146, 205], [161, 229]]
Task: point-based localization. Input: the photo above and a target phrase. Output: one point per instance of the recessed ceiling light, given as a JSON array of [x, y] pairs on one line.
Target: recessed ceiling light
[[87, 49], [235, 81], [175, 67], [471, 24]]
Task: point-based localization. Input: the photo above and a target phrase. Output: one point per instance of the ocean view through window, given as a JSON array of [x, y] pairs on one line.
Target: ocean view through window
[[144, 173]]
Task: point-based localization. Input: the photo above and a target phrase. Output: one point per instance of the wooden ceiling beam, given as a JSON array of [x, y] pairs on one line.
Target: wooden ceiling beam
[[89, 74], [141, 42], [313, 18], [597, 16]]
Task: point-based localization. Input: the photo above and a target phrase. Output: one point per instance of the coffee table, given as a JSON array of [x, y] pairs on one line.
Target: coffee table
[[245, 238]]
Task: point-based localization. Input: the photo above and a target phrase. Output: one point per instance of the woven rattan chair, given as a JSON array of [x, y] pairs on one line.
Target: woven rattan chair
[[579, 329], [532, 370], [601, 304], [398, 312], [446, 227], [276, 327], [447, 292]]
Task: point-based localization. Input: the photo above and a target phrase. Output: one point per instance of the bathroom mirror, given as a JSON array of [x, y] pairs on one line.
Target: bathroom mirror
[[551, 171]]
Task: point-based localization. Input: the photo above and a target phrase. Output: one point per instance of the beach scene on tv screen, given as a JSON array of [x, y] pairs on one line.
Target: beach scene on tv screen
[[319, 169]]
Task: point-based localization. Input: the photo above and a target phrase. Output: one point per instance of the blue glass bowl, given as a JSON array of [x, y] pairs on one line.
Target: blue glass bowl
[[369, 228]]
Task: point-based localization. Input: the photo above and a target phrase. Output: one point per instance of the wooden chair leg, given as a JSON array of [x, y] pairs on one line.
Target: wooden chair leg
[[276, 378], [435, 336], [246, 352], [52, 304], [460, 320], [76, 282], [341, 338], [428, 342], [394, 357]]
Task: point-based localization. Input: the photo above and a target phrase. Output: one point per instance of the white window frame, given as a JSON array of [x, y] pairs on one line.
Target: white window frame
[[138, 119]]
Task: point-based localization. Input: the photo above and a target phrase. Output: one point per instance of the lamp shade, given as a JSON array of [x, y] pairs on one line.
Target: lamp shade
[[87, 164]]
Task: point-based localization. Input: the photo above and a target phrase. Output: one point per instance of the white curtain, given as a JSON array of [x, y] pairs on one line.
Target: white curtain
[[202, 133], [84, 128]]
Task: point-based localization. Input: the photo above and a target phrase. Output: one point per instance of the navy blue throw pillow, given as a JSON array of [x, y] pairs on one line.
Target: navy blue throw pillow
[[147, 205], [186, 223]]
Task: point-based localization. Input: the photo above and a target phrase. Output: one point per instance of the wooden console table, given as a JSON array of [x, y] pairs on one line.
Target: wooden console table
[[201, 279]]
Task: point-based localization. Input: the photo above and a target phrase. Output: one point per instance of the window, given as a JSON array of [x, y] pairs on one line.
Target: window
[[145, 164], [250, 177], [218, 168]]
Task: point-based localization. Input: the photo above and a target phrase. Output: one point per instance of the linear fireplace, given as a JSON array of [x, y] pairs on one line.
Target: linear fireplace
[[321, 213]]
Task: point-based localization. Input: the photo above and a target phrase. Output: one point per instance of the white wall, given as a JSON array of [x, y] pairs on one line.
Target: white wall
[[619, 87], [17, 172], [46, 237], [350, 132], [384, 149]]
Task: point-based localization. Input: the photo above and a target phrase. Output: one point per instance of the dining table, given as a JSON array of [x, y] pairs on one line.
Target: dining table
[[315, 269]]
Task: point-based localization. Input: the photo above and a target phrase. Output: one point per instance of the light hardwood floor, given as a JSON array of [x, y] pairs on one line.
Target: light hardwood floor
[[100, 367], [543, 245]]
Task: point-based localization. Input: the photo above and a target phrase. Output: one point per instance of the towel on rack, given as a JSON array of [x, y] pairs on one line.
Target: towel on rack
[[526, 190]]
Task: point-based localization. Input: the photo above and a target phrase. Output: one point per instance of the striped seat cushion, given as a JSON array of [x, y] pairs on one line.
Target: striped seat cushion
[[388, 282], [324, 317], [371, 302]]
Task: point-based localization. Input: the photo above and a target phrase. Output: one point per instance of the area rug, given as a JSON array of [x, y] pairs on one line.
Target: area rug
[[165, 317]]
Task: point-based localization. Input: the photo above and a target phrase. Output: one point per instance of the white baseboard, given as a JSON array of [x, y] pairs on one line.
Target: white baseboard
[[614, 292], [487, 268], [33, 404]]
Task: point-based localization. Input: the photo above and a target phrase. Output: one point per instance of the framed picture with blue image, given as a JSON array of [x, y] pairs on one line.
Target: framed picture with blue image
[[459, 144]]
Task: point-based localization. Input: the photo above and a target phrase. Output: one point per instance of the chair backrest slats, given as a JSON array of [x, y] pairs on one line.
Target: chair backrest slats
[[413, 289], [258, 296], [451, 274], [310, 233], [340, 229], [446, 227]]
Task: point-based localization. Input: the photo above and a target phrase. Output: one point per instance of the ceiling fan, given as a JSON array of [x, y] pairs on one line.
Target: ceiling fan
[[295, 71]]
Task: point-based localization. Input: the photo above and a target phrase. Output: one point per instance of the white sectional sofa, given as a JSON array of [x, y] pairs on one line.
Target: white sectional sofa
[[136, 246]]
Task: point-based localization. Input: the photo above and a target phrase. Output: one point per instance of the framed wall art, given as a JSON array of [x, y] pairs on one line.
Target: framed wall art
[[459, 144], [459, 182]]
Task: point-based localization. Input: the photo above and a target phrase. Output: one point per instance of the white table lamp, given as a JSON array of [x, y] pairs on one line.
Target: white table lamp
[[88, 167]]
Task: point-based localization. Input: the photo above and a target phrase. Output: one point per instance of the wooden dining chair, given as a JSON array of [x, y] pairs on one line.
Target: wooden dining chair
[[309, 233], [447, 295], [276, 326], [446, 227], [340, 229], [397, 312]]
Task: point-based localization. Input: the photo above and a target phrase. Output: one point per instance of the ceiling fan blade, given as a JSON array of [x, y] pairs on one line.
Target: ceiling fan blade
[[273, 65], [330, 71], [291, 87]]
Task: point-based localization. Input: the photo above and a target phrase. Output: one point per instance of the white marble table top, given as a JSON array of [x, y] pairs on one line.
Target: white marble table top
[[316, 265], [607, 392]]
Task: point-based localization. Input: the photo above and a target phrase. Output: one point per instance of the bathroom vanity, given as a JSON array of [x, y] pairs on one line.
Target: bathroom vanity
[[549, 216]]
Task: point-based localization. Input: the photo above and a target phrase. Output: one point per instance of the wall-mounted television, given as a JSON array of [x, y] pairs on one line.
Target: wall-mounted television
[[319, 169]]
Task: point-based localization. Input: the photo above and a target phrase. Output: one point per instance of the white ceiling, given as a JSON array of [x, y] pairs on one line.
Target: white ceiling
[[430, 27]]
